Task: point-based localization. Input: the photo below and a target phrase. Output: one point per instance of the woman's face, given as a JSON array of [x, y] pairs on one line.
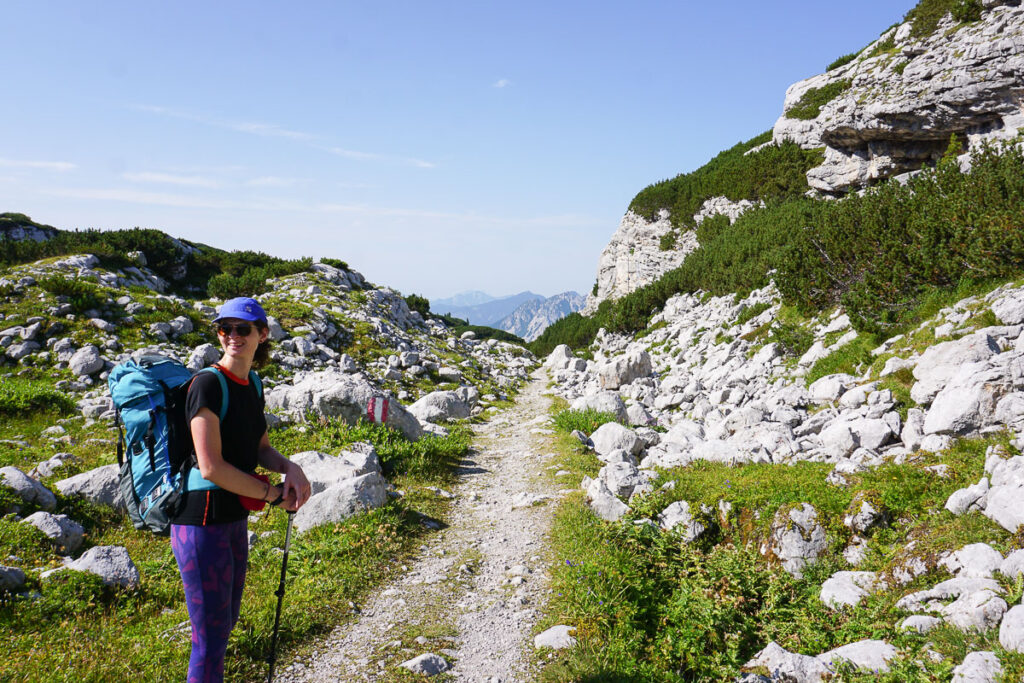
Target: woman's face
[[235, 343]]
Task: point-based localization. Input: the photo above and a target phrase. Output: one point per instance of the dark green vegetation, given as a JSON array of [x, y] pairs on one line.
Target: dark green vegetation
[[845, 59], [649, 607], [927, 14], [771, 173], [21, 397], [881, 255], [208, 271], [459, 326], [418, 303], [81, 630], [811, 102]]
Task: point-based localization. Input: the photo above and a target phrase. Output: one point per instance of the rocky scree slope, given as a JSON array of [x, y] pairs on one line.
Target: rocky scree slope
[[704, 383], [338, 342], [885, 112]]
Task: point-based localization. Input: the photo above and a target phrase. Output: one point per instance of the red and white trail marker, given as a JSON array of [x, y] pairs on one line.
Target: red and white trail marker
[[377, 409]]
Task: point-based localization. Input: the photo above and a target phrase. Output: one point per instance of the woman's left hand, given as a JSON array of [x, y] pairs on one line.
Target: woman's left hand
[[296, 487]]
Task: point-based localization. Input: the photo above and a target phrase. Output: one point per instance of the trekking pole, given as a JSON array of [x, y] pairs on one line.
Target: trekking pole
[[280, 597]]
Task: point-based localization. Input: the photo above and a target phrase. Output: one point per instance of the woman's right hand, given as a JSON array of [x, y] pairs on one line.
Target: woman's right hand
[[288, 501]]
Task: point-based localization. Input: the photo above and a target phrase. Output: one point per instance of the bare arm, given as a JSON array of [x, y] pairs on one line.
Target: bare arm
[[296, 487], [205, 428]]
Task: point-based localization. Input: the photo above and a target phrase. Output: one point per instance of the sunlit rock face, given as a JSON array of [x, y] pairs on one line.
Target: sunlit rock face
[[907, 95]]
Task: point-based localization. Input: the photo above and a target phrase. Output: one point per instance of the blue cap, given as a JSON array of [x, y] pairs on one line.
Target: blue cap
[[242, 308]]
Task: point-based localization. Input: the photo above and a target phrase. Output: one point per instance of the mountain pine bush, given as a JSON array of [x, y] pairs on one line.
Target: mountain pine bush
[[770, 173], [879, 254]]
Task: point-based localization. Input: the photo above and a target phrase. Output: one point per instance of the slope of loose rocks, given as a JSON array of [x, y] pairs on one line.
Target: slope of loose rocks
[[707, 382]]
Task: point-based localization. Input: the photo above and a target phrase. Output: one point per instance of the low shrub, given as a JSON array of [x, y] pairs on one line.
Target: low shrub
[[841, 61], [811, 102], [82, 295], [774, 172], [337, 263], [22, 397], [418, 303]]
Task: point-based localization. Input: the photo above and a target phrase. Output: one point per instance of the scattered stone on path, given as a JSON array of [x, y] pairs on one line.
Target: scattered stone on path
[[427, 664]]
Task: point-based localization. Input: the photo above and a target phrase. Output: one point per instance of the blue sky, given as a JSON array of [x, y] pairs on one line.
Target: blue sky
[[435, 146]]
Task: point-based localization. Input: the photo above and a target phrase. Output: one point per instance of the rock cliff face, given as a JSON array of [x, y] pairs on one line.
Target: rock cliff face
[[533, 317], [902, 97], [895, 106], [634, 257]]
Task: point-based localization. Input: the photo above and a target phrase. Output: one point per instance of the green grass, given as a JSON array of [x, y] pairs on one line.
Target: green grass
[[80, 630], [852, 358], [648, 607], [19, 397], [585, 421]]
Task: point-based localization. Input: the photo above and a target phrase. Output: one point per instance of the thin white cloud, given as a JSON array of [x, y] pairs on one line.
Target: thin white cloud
[[569, 223], [250, 127], [143, 197], [372, 156], [274, 130], [269, 130], [47, 165], [501, 83], [170, 179], [274, 181]]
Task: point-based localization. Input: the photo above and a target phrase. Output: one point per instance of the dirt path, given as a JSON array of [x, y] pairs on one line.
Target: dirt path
[[473, 592]]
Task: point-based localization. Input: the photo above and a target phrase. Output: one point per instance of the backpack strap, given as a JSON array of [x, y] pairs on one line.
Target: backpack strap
[[255, 379], [194, 480]]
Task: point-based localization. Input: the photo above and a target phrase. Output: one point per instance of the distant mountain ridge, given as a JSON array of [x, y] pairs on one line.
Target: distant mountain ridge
[[488, 312], [472, 297], [532, 317]]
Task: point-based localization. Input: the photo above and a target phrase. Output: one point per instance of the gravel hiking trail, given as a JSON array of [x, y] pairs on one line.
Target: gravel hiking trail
[[474, 590]]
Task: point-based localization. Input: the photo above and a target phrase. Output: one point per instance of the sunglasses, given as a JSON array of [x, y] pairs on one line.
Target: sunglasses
[[242, 329]]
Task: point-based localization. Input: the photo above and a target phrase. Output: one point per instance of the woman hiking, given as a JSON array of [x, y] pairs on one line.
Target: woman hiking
[[209, 534]]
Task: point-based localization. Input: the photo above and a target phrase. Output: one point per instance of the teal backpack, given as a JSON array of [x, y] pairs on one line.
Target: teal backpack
[[154, 445]]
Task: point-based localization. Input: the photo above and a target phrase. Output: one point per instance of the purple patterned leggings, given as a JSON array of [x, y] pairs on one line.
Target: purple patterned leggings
[[212, 561]]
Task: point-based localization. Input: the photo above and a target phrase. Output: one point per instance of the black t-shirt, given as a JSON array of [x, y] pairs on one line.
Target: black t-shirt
[[240, 434]]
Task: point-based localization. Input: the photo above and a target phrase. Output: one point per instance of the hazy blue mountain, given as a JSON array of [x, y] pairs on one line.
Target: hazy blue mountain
[[472, 297], [488, 312], [532, 317]]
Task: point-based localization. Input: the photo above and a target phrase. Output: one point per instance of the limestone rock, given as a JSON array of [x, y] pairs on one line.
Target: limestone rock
[[342, 500], [427, 664], [978, 667], [333, 393], [611, 436], [624, 369], [634, 257], [30, 490], [98, 485], [797, 538], [846, 588], [109, 562], [556, 638], [440, 406], [86, 361], [66, 533], [960, 79], [603, 502]]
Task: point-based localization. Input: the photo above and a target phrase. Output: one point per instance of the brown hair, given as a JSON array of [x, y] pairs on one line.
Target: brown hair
[[262, 356]]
